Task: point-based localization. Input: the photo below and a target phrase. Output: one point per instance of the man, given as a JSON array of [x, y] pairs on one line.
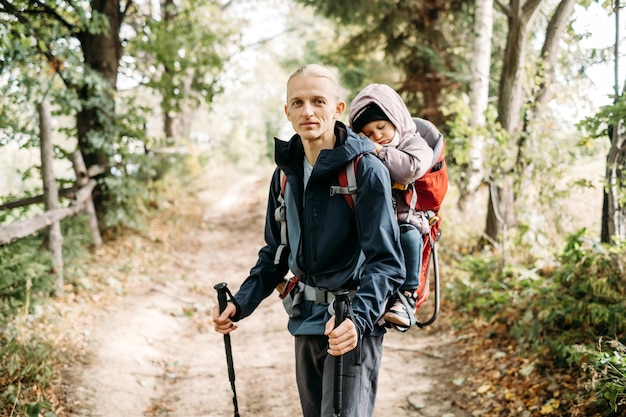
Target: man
[[330, 246]]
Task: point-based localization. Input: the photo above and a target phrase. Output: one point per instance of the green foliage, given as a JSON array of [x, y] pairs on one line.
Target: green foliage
[[608, 375], [588, 297], [47, 52], [462, 133], [137, 187], [598, 125], [558, 314], [419, 48], [25, 270], [27, 369], [181, 52], [494, 292]]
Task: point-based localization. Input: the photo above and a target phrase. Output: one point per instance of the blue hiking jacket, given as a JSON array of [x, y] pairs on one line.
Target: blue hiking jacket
[[330, 245]]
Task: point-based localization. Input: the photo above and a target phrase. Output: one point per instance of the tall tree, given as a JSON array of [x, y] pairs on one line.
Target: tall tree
[[180, 51], [102, 51], [614, 195], [520, 15], [413, 36], [92, 73], [479, 97], [81, 43]]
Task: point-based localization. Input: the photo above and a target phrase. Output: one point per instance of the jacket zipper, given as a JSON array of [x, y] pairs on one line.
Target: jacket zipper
[[314, 235]]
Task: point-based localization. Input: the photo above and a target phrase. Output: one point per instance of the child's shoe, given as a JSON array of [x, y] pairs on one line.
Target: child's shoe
[[401, 314]]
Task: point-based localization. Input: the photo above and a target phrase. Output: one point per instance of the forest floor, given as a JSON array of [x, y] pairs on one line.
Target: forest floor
[[137, 327]]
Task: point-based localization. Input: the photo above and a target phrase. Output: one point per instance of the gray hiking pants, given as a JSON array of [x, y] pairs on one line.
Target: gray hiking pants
[[315, 376]]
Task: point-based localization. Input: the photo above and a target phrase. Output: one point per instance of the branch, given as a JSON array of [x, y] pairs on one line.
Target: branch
[[52, 60], [52, 12], [529, 8], [554, 33], [267, 40], [69, 192], [12, 10], [226, 5], [504, 8], [124, 12]]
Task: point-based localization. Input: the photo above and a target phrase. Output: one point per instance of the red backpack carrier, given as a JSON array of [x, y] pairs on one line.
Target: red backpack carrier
[[425, 194]]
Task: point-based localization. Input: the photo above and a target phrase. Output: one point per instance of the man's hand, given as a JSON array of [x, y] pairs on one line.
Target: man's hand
[[342, 339], [222, 322]]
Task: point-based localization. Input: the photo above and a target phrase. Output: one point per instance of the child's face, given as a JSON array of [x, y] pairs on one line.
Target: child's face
[[379, 131]]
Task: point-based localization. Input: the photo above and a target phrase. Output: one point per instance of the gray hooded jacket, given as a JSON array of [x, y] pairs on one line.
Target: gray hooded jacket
[[409, 156]]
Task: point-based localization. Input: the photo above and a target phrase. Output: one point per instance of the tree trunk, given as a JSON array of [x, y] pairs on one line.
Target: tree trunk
[[549, 51], [520, 15], [167, 14], [168, 125], [479, 97], [102, 53], [82, 179], [614, 207], [544, 73], [54, 238]]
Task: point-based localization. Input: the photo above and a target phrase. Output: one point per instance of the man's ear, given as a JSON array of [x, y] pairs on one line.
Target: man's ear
[[341, 107], [287, 111]]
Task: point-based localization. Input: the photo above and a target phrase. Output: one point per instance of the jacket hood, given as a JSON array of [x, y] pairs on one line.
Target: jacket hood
[[389, 102]]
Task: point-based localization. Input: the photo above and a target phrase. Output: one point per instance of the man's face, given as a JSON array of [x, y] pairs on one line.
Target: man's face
[[312, 107]]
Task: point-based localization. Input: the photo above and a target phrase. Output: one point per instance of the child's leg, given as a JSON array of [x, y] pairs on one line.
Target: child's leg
[[412, 245], [401, 313]]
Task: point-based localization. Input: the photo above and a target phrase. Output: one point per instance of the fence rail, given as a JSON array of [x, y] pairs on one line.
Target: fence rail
[[23, 228]]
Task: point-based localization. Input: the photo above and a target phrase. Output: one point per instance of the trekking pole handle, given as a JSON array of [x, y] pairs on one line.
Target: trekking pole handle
[[341, 298], [222, 290]]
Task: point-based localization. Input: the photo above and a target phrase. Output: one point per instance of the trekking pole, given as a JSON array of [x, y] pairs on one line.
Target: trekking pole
[[222, 291], [341, 298]]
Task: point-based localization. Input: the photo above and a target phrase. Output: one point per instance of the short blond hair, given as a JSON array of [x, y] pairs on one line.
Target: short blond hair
[[316, 70]]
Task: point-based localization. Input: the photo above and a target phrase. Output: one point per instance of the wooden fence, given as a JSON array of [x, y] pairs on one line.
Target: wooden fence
[[80, 195]]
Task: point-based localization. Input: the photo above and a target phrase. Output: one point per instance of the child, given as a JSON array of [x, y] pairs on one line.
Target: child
[[379, 113]]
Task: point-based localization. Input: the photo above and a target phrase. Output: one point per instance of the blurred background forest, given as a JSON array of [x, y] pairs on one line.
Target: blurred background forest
[[528, 93]]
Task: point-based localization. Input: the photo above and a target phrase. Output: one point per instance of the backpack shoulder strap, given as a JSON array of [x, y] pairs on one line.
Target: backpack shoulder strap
[[347, 182], [281, 217]]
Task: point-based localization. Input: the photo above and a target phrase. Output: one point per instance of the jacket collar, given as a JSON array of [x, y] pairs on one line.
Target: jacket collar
[[289, 155]]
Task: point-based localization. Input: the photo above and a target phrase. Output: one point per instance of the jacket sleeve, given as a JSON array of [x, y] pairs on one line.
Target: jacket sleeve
[[265, 275], [383, 270], [409, 161]]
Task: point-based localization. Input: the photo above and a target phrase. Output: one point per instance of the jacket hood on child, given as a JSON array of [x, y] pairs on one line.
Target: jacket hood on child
[[389, 101]]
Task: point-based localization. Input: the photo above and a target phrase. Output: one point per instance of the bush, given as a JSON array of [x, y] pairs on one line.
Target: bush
[[559, 315], [608, 376], [25, 269], [131, 193], [27, 372]]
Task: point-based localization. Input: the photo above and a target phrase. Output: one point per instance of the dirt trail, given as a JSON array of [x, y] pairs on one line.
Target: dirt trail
[[154, 352]]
